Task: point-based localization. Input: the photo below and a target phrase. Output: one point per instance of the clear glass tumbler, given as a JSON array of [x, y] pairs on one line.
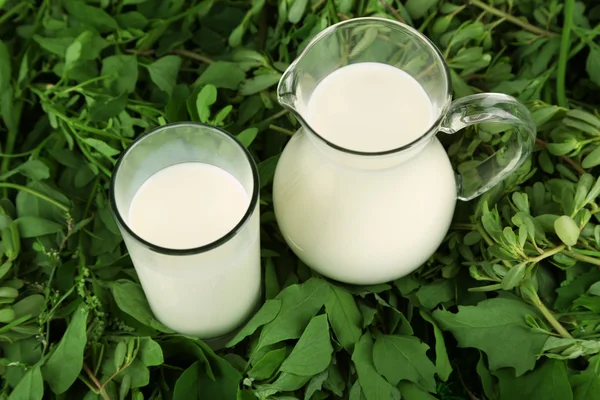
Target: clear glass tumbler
[[211, 290]]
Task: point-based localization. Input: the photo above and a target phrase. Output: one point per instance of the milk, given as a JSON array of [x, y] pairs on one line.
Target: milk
[[369, 107], [186, 206], [365, 219]]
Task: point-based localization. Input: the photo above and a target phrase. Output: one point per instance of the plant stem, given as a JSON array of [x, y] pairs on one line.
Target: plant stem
[[468, 227], [83, 84], [274, 117], [12, 11], [98, 385], [523, 24], [392, 11], [537, 301], [550, 318], [548, 253], [192, 55], [35, 193], [84, 127], [87, 383], [591, 252], [282, 130], [581, 257], [317, 5], [568, 160], [565, 43]]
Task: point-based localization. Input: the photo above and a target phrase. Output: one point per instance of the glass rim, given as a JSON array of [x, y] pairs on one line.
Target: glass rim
[[199, 249], [431, 131]]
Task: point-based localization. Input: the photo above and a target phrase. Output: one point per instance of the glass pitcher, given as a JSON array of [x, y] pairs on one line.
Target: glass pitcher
[[371, 217]]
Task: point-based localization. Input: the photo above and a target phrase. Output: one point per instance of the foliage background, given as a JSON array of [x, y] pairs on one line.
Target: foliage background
[[508, 308]]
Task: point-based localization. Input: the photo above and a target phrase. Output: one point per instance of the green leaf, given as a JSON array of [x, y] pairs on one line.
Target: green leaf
[[286, 382], [91, 16], [567, 349], [547, 382], [592, 159], [120, 353], [315, 384], [206, 98], [222, 114], [31, 305], [583, 187], [57, 46], [187, 386], [132, 19], [344, 316], [567, 230], [223, 74], [235, 37], [30, 387], [101, 147], [487, 380], [35, 226], [514, 276], [297, 11], [7, 315], [373, 385], [247, 136], [299, 303], [335, 381], [268, 365], [103, 111], [66, 361], [5, 67], [586, 385], [442, 362], [593, 64], [570, 291], [259, 83], [226, 380], [312, 353], [419, 8], [559, 149], [164, 71], [436, 292], [73, 54], [173, 110], [123, 72], [404, 358], [266, 314], [410, 391], [150, 352], [130, 298], [544, 114], [356, 392], [266, 170], [585, 116], [497, 327], [35, 169]]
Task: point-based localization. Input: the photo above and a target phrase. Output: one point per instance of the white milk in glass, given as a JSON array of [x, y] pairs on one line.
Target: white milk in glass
[[186, 206], [357, 218]]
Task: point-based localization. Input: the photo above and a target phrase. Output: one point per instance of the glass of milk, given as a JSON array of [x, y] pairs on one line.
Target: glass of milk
[[186, 197], [364, 192]]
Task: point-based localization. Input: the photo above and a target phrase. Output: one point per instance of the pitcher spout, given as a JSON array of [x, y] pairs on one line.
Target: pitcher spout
[[286, 90]]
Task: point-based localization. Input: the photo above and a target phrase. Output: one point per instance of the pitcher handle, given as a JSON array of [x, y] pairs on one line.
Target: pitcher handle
[[479, 177]]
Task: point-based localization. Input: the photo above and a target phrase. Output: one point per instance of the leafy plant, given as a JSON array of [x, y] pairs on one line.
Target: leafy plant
[[508, 307]]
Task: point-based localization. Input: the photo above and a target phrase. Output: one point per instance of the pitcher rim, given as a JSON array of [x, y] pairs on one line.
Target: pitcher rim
[[431, 131]]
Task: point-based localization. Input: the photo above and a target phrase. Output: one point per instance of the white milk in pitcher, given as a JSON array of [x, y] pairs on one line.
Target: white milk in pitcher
[[370, 107], [185, 206], [365, 219]]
